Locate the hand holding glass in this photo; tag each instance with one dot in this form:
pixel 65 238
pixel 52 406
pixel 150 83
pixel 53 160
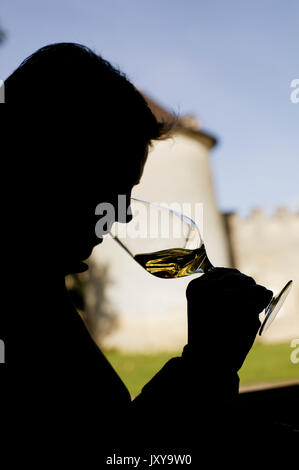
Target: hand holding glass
pixel 169 245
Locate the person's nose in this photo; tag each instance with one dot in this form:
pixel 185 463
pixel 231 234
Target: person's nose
pixel 125 217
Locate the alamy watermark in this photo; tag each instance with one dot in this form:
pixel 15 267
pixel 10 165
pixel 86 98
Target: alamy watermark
pixel 150 220
pixel 294 96
pixel 2 352
pixel 294 356
pixel 149 460
pixel 2 92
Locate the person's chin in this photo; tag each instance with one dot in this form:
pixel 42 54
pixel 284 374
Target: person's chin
pixel 77 265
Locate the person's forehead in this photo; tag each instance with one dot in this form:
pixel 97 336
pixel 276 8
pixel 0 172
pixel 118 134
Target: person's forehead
pixel 123 168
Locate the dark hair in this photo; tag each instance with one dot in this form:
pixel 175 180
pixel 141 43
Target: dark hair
pixel 64 74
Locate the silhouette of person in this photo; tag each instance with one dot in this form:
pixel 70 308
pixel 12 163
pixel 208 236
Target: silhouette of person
pixel 78 133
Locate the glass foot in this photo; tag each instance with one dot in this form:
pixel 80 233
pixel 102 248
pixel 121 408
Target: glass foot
pixel 274 306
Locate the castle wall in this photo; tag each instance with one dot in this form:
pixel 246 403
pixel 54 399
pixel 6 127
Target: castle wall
pixel 152 311
pixel 267 248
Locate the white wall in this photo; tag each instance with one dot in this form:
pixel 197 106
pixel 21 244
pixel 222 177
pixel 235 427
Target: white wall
pixel 267 248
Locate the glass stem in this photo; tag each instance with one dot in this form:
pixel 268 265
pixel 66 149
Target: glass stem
pixel 121 244
pixel 208 266
pixel 205 266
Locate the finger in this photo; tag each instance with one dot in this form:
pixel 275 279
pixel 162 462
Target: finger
pixel 218 273
pixel 217 280
pixel 248 298
pixel 258 297
pixel 227 275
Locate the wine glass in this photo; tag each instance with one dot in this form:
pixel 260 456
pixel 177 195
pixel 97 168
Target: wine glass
pixel 168 244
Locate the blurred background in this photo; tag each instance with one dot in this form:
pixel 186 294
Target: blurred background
pixel 226 68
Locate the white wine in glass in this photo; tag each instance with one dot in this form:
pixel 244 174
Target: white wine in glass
pixel 168 244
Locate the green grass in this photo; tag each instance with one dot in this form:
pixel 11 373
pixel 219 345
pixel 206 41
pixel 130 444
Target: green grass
pixel 136 370
pixel 268 363
pixel 264 364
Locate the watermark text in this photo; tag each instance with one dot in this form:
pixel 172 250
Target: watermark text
pixel 141 219
pixel 294 96
pixel 150 460
pixel 2 352
pixel 294 356
pixel 2 92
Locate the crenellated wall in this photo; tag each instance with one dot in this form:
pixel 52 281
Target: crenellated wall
pixel 267 248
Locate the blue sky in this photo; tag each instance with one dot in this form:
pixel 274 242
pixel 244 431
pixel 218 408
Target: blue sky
pixel 229 62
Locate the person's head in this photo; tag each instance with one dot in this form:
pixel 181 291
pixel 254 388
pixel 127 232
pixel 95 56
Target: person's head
pixel 86 137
